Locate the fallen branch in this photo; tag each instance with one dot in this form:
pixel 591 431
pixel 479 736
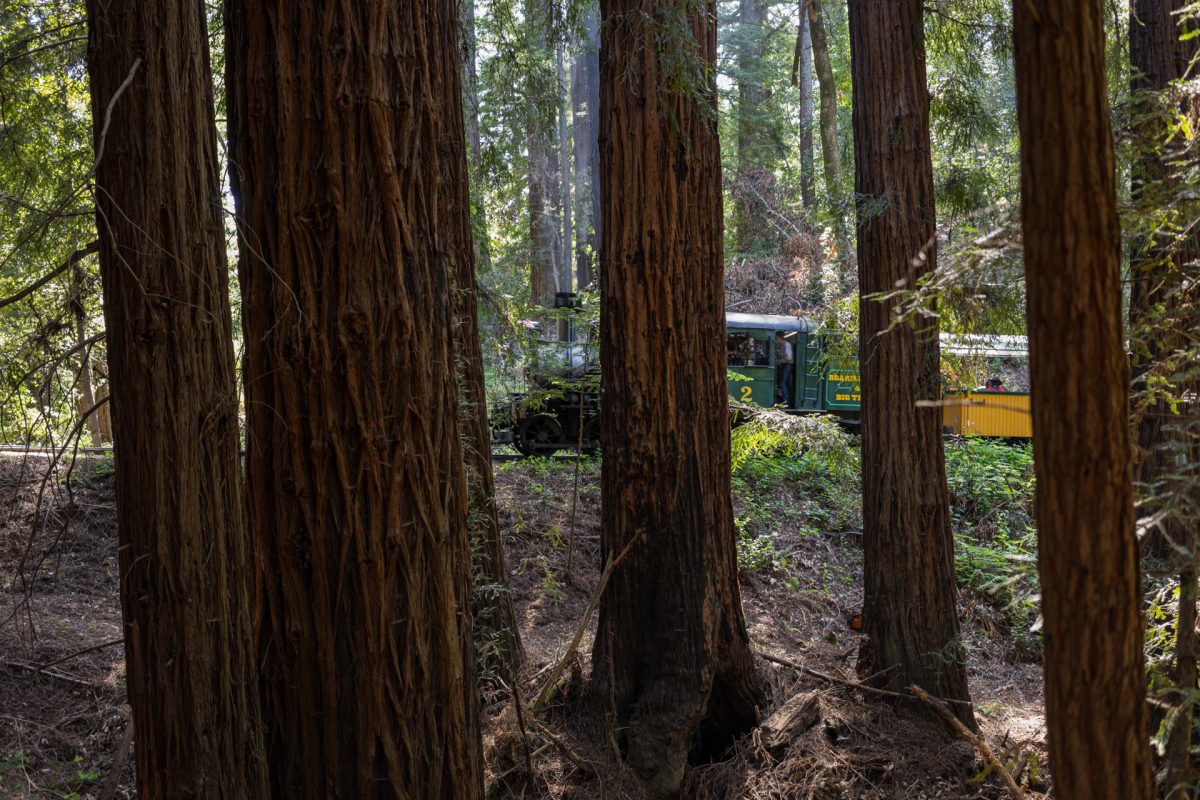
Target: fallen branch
pixel 51 673
pixel 544 695
pixel 564 748
pixel 783 662
pixel 793 718
pixel 851 684
pixel 965 733
pixel 118 764
pixel 82 652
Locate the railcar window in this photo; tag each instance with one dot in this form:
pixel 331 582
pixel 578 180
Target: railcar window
pixel 746 351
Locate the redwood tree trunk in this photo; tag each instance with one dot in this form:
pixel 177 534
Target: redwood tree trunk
pixel 1087 553
pixel 470 91
pixel 497 638
pixel 1158 58
pixel 831 156
pixel 184 556
pixel 357 498
pixel 802 77
pixel 586 110
pixel 909 610
pixel 591 24
pixel 87 393
pixel 544 191
pixel 1178 777
pixel 672 661
pixel 566 264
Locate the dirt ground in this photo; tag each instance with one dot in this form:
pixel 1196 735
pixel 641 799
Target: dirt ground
pixel 62 713
pixel 64 725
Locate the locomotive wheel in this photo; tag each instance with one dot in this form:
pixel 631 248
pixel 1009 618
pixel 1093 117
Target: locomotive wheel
pixel 591 435
pixel 539 435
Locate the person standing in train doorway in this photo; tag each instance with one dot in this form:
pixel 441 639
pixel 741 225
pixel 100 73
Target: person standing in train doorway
pixel 785 368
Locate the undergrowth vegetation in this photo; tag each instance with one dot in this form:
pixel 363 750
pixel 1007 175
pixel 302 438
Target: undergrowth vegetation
pixel 793 477
pixel 995 541
pixel 797 496
pixel 797 477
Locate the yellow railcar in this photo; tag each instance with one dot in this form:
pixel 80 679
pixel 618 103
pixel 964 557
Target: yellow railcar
pixel 987 413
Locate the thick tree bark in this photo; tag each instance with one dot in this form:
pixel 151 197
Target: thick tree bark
pixel 1087 553
pixel 909 612
pixel 184 555
pixel 665 481
pixel 357 497
pixel 497 638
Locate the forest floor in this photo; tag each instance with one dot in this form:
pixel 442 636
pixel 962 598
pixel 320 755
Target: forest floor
pixel 64 730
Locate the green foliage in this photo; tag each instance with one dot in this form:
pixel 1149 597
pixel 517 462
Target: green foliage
pixel 991 487
pixel 790 474
pixel 761 57
pixel 814 442
pixel 991 505
pixel 973 123
pixel 45 214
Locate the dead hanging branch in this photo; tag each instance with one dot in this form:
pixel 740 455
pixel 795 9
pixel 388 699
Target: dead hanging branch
pixel 74 258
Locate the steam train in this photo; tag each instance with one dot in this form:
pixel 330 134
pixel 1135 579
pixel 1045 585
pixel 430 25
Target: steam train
pixel 773 361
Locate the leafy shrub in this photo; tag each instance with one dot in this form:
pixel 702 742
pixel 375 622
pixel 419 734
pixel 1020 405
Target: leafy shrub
pixel 815 439
pixel 792 476
pixel 991 504
pixel 991 487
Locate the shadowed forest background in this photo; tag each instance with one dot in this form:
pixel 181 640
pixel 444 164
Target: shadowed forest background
pixel 366 389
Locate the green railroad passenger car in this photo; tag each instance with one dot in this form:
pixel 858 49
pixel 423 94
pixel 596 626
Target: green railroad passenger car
pixel 757 344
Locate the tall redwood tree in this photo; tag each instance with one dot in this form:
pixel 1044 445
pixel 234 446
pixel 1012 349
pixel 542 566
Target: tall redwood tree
pixel 909 612
pixel 497 638
pixel 356 491
pixel 185 565
pixel 1160 55
pixel 672 662
pixel 1087 552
